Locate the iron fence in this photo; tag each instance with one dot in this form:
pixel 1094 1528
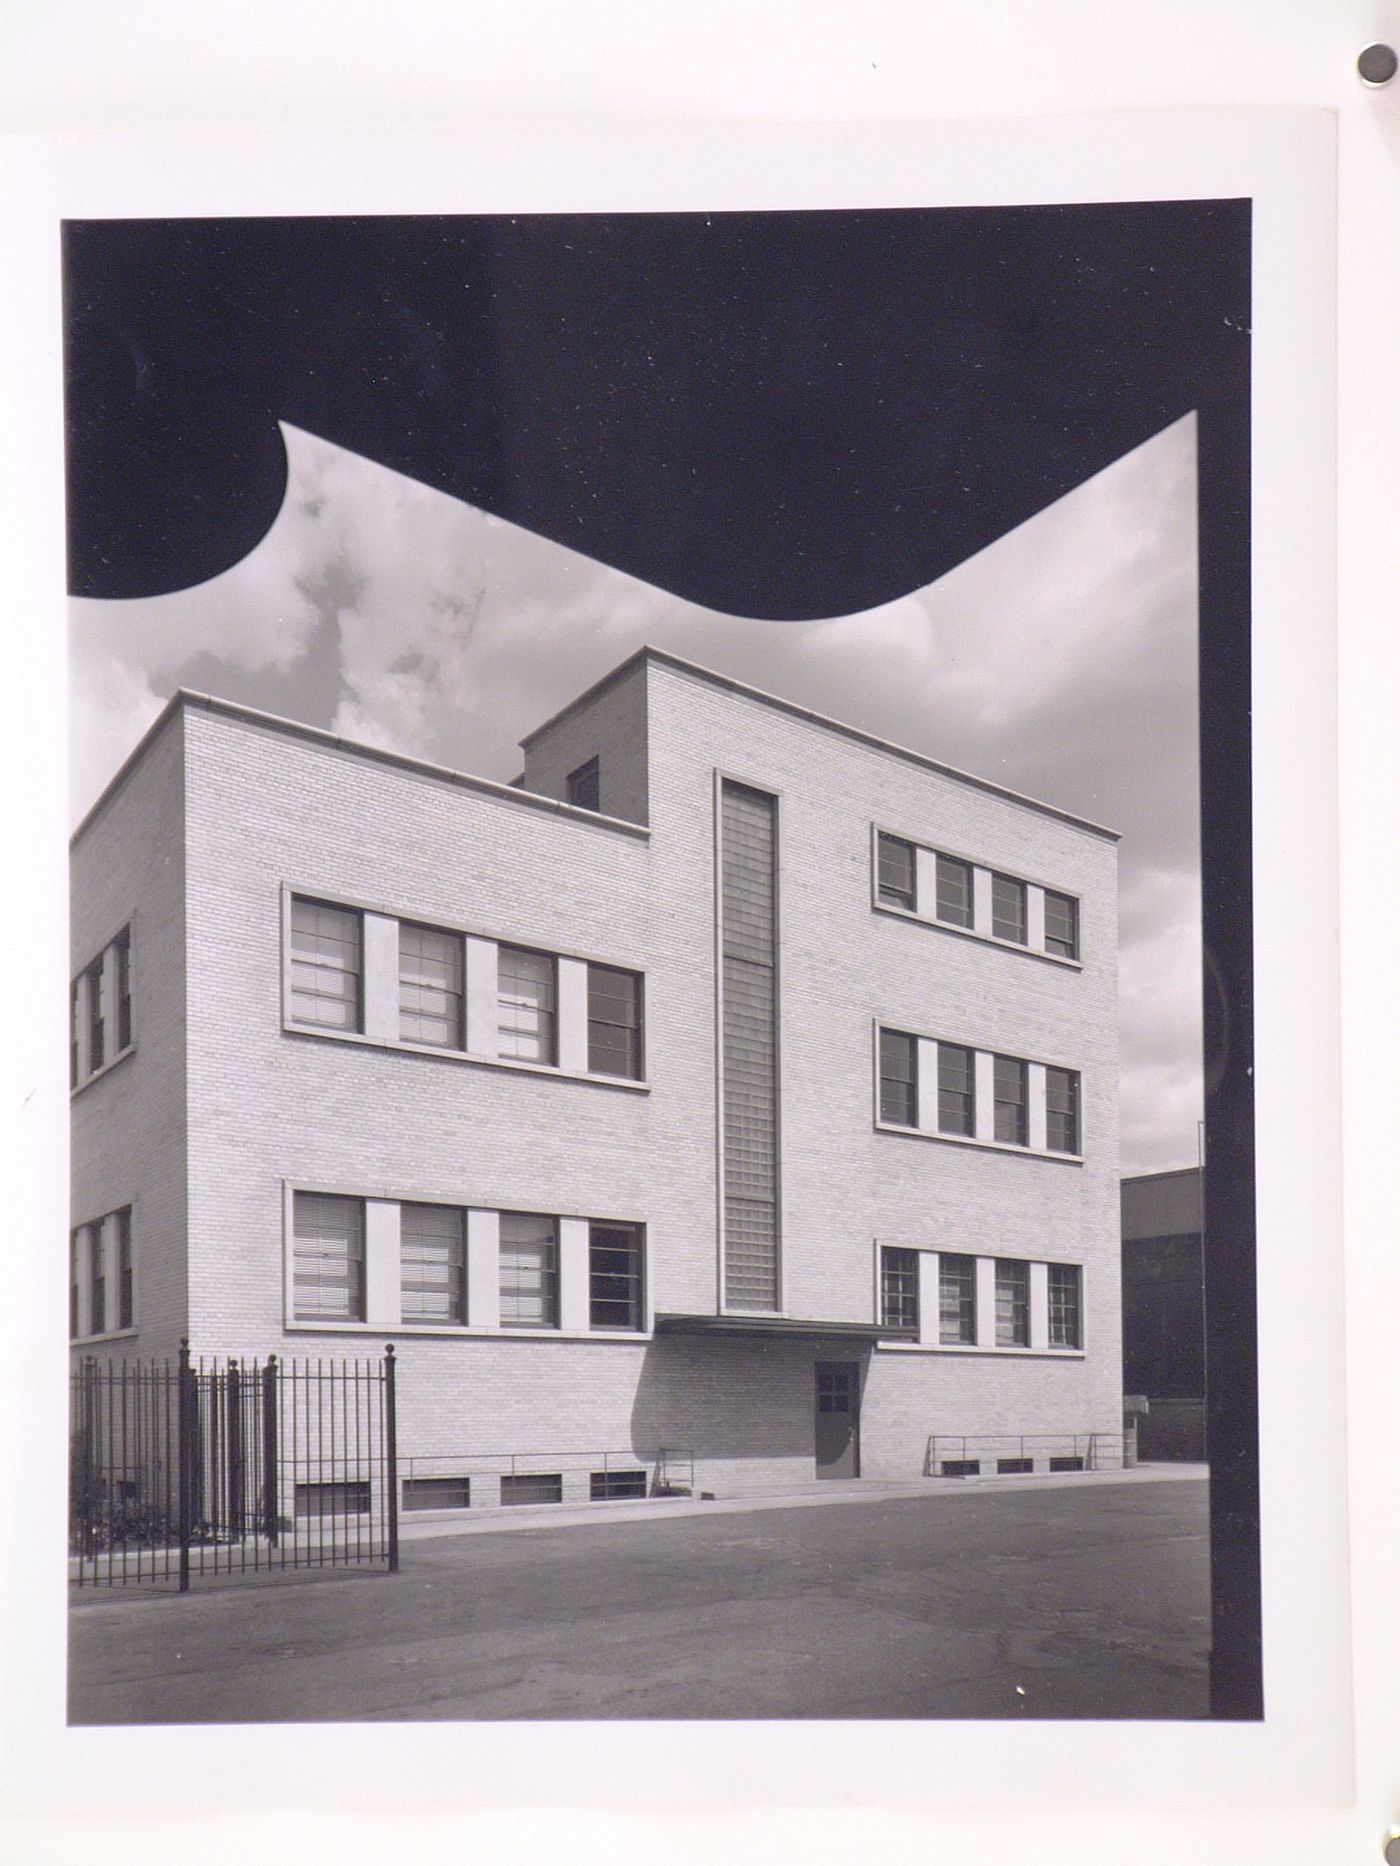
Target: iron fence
pixel 208 1466
pixel 1024 1454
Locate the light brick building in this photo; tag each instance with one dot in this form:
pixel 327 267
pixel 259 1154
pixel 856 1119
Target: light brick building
pixel 735 1087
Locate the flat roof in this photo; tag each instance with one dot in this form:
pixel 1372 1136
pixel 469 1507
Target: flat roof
pixel 662 657
pixel 332 741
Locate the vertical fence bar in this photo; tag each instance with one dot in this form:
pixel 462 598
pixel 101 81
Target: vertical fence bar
pixel 269 1452
pixel 391 1456
pixel 185 1402
pixel 235 1453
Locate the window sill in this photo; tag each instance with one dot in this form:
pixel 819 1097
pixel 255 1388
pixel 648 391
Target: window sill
pixel 408 1331
pixel 978 939
pixel 111 1334
pixel 966 1348
pixel 105 1070
pixel 358 1038
pixel 983 1146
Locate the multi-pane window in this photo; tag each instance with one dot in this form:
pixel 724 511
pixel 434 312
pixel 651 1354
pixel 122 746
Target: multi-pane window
pixel 894 879
pixel 614 1022
pixel 74 1004
pixel 1013 1303
pixel 1061 925
pixel 614 1276
pixel 899 1288
pixel 430 987
pixel 1066 1321
pixel 433 1264
pixel 75 1282
pixel 957 1299
pixel 122 948
pixel 126 1293
pixel 581 786
pixel 1009 909
pixel 526 1000
pixel 1009 1100
pixel 529 1271
pixel 953 891
pixel 97 1021
pixel 899 1097
pixel 328 1258
pixel 957 1096
pixel 326 965
pixel 97 1282
pixel 1062 1110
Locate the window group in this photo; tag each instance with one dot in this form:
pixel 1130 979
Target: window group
pixel 354 972
pixel 955 1092
pixel 99 1008
pixel 953 1299
pixel 949 891
pixel 398 1263
pixel 101 1277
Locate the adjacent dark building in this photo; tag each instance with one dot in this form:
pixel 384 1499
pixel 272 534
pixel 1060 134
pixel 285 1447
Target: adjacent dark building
pixel 1164 1352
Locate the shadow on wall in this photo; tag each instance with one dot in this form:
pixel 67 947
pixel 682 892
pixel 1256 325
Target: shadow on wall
pixel 733 1399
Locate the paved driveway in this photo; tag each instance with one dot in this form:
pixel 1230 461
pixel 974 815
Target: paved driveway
pixel 1087 1601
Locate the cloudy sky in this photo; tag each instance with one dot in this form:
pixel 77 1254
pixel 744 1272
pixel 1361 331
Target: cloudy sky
pixel 1061 661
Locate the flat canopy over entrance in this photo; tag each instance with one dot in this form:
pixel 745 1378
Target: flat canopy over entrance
pixel 775 1325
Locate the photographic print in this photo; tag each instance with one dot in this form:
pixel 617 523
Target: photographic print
pixel 661 1014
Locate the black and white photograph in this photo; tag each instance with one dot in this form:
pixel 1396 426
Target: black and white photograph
pixel 637 970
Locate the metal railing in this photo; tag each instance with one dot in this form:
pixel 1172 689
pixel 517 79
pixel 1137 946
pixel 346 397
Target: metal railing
pixel 207 1467
pixel 1033 1452
pixel 469 1479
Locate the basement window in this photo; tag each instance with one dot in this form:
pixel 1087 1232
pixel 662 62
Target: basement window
pixel 533 1488
pixel 437 1493
pixel 612 1486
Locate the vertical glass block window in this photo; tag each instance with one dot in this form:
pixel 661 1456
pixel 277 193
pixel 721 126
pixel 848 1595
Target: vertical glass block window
pixel 97 1282
pixel 122 950
pixel 1066 1320
pixel 1009 909
pixel 1013 1303
pixel 894 879
pixel 581 787
pixel 526 1005
pixel 957 1299
pixel 326 965
pixel 614 1022
pixel 1061 925
pixel 529 1271
pixel 1009 1100
pixel 126 1291
pixel 1062 1110
pixel 899 1288
pixel 74 1030
pixel 75 1279
pixel 957 1093
pixel 328 1258
pixel 433 1264
pixel 953 888
pixel 899 1089
pixel 614 1276
pixel 97 1022
pixel 430 987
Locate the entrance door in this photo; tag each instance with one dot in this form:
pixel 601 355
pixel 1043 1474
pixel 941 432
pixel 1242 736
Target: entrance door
pixel 838 1419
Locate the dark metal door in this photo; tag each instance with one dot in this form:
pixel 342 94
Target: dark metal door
pixel 838 1419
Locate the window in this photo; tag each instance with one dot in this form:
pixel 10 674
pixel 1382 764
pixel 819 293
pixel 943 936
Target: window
pixel 899 1288
pixel 325 966
pixel 1013 1304
pixel 1009 909
pixel 610 1486
pixel 430 987
pixel 437 1493
pixel 614 1022
pixel 526 1005
pixel 97 1022
pixel 328 1258
pixel 1062 1110
pixel 74 1004
pixel 1061 925
pixel 960 1467
pixel 529 1271
pixel 1066 1330
pixel 337 1499
pixel 1015 1467
pixel 581 786
pixel 614 1276
pixel 433 1264
pixel 1067 1464
pixel 122 948
pixel 1009 1100
pixel 75 1283
pixel 126 1292
pixel 953 891
pixel 957 1095
pixel 894 877
pixel 957 1299
pixel 533 1487
pixel 899 1100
